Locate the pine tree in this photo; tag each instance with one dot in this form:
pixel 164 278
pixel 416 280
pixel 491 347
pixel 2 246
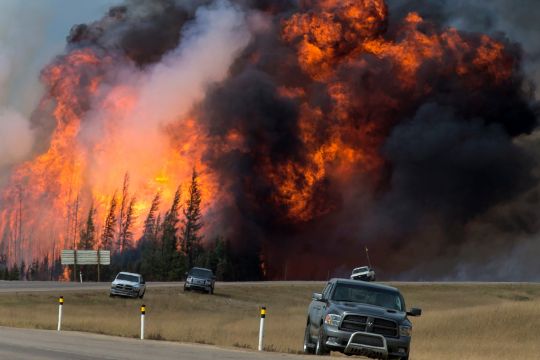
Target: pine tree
pixel 14 273
pixel 123 211
pixel 150 222
pixel 126 236
pixel 88 233
pixel 150 248
pixel 33 270
pixel 22 272
pixel 107 237
pixel 170 257
pixel 191 224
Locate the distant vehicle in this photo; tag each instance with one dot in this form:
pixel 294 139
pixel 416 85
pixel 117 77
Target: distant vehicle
pixel 364 273
pixel 359 318
pixel 128 284
pixel 200 279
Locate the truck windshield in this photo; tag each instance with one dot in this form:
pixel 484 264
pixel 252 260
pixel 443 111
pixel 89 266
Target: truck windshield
pixel 367 295
pixel 200 273
pixel 359 270
pixel 127 277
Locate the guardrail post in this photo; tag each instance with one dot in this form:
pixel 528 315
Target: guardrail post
pixel 143 312
pixel 261 328
pixel 60 305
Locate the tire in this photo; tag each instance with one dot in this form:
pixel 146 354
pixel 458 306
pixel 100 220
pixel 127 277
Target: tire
pixel 211 291
pixel 142 295
pixel 186 289
pixel 111 295
pixel 320 347
pixel 309 347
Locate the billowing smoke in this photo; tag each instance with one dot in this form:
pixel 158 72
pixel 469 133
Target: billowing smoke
pixel 318 127
pixel 16 136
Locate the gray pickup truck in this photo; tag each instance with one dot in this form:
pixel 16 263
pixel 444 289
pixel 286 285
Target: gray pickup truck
pixel 359 318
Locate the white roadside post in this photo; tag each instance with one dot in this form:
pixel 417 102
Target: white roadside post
pixel 261 328
pixel 80 276
pixel 143 312
pixel 60 305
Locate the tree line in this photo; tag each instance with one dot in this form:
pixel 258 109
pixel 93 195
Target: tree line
pixel 171 243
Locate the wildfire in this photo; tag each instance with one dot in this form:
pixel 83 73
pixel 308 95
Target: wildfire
pixel 357 82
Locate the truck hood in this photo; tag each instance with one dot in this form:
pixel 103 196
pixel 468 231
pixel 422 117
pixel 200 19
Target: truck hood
pixel 368 310
pixel 125 282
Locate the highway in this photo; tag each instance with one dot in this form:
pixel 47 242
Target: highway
pixel 25 344
pixel 46 286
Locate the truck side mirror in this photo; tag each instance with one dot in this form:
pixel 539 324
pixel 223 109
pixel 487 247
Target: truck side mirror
pixel 414 312
pixel 317 296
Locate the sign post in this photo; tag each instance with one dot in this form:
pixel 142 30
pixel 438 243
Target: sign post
pixel 86 257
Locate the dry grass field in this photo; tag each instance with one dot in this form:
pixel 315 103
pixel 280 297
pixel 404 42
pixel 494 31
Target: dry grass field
pixel 460 321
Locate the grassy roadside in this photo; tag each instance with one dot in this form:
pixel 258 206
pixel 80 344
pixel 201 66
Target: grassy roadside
pixel 459 322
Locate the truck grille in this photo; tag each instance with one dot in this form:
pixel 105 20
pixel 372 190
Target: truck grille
pixel 354 323
pixel 124 287
pixel 382 327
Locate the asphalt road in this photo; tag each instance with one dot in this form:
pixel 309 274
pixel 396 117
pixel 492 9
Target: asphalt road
pixel 25 344
pixel 44 286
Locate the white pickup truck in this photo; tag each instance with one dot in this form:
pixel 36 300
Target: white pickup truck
pixel 364 273
pixel 128 284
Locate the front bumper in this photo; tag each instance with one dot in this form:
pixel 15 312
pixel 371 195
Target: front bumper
pixel 339 340
pixel 197 286
pixel 124 292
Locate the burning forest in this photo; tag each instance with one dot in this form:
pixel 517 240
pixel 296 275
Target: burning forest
pixel 310 130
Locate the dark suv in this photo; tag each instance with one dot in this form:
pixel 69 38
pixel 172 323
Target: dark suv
pixel 359 318
pixel 200 279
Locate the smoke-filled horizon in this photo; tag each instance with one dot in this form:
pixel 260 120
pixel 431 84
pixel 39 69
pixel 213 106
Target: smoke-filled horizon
pixel 318 127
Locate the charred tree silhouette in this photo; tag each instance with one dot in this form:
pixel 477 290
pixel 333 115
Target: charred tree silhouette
pixel 126 236
pixel 87 239
pixel 123 212
pixel 150 247
pixel 191 224
pixel 107 237
pixel 172 262
pixel 150 223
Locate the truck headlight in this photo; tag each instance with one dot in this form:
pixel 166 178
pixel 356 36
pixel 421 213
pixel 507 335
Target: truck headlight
pixel 189 278
pixel 405 331
pixel 332 319
pixel 207 282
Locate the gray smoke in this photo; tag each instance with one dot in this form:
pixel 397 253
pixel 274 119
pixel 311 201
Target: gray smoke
pixel 499 244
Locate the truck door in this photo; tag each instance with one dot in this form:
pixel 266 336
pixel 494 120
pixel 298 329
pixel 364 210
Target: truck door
pixel 319 308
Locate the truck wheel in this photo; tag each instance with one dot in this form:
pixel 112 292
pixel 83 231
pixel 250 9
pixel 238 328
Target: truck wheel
pixel 142 295
pixel 320 348
pixel 309 347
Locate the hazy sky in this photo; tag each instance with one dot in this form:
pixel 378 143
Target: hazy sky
pixel 32 32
